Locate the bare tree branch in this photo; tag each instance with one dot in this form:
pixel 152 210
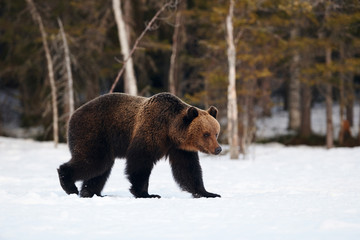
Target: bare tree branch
pixel 147 28
pixel 68 69
pixel 37 18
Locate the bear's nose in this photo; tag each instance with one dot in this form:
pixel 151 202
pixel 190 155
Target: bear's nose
pixel 218 150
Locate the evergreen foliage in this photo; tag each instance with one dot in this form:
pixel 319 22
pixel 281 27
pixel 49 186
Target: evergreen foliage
pixel 263 42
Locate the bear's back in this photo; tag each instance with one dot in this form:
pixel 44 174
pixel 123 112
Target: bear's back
pixel 108 119
pixel 112 121
pixel 106 108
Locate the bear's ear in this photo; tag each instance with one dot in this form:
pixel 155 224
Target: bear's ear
pixel 213 111
pixel 191 114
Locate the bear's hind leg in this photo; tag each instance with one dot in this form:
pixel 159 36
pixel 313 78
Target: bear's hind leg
pixel 95 185
pixel 67 181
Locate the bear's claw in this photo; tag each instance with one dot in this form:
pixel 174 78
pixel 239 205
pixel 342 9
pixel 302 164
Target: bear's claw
pixel 148 196
pixel 143 194
pixel 206 194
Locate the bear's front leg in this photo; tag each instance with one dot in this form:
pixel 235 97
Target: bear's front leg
pixel 187 173
pixel 140 183
pixel 138 169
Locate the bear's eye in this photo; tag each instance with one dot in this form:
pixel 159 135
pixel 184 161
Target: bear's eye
pixel 206 135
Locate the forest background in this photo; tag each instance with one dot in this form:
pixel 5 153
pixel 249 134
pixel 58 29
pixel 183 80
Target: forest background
pixel 289 53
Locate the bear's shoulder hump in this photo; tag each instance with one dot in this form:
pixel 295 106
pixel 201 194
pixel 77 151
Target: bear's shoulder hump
pixel 167 100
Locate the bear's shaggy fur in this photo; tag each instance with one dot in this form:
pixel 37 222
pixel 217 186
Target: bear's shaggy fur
pixel 142 130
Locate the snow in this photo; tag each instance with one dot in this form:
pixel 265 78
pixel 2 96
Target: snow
pixel 278 193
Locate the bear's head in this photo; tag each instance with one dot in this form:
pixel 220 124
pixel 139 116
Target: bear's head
pixel 201 131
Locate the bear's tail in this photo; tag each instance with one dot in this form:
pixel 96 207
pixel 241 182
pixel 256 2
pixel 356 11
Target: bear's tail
pixel 66 179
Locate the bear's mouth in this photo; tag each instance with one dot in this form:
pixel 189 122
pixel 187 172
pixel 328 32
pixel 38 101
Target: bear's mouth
pixel 217 151
pixel 203 150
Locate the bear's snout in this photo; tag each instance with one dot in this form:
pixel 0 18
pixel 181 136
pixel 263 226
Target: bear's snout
pixel 218 150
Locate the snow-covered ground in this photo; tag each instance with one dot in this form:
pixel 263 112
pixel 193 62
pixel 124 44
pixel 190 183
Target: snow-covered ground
pixel 279 193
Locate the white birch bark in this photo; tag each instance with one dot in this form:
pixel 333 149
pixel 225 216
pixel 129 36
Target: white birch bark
pixel 147 28
pixel 172 72
pixel 130 80
pixel 37 18
pixel 70 89
pixel 232 111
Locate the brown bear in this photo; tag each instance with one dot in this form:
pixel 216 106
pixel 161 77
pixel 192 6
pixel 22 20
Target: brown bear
pixel 142 130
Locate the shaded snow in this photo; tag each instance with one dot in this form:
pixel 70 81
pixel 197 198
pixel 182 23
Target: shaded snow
pixel 281 193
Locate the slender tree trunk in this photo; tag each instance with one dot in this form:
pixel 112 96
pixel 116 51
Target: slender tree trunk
pixel 1 124
pixel 244 123
pixel 266 99
pixel 70 89
pixel 232 99
pixel 251 128
pixel 37 18
pixel 128 18
pixel 294 86
pixel 342 101
pixel 349 91
pixel 349 98
pixel 247 115
pixel 350 105
pixel 130 80
pixel 329 103
pixel 173 59
pixel 329 122
pixel 359 129
pixel 305 129
pixel 137 41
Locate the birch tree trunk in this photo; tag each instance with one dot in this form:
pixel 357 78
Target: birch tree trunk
pixel 294 86
pixel 244 123
pixel 137 41
pixel 348 84
pixel 127 9
pixel 266 99
pixel 305 127
pixel 173 62
pixel 130 86
pixel 329 103
pixel 359 129
pixel 349 90
pixel 232 111
pixel 248 120
pixel 342 96
pixel 70 89
pixel 37 18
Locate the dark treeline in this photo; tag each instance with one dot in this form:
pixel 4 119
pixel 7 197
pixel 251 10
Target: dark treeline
pixel 302 51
